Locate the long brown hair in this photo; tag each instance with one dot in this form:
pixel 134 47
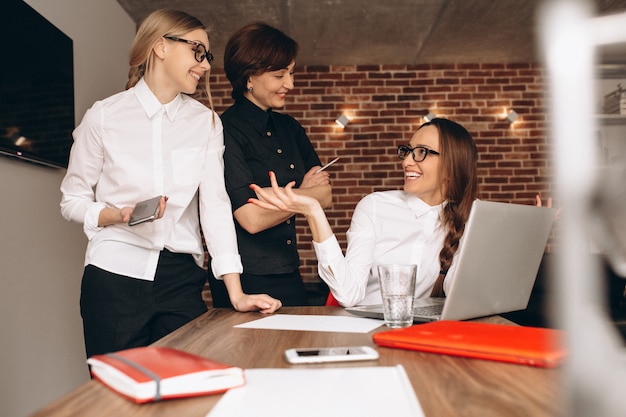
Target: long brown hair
pixel 156 25
pixel 458 169
pixel 253 50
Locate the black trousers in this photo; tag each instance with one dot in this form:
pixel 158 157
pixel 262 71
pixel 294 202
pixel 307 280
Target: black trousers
pixel 120 312
pixel 288 288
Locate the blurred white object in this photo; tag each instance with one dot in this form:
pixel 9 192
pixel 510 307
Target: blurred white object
pixel 594 377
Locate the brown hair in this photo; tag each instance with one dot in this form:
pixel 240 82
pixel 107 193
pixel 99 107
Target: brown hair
pixel 253 50
pixel 458 169
pixel 156 25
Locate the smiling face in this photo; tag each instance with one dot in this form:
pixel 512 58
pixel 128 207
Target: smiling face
pixel 182 71
pixel 423 179
pixel 270 88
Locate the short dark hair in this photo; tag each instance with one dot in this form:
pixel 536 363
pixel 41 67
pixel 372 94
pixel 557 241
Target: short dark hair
pixel 253 50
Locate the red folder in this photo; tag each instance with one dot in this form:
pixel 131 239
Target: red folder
pixel 524 345
pixel 147 374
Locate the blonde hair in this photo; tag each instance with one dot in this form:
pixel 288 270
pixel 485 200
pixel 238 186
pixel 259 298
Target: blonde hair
pixel 156 25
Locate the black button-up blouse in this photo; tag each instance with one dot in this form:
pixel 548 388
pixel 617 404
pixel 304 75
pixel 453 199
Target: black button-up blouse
pixel 257 142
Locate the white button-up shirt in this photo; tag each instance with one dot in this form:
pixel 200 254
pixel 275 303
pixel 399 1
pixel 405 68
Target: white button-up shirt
pixel 128 148
pixel 390 227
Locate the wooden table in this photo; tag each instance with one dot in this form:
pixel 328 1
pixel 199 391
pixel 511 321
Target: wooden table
pixel 444 385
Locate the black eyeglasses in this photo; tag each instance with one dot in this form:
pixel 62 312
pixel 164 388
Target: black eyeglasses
pixel 422 152
pixel 200 50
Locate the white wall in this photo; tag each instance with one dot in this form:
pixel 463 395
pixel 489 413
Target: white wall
pixel 42 356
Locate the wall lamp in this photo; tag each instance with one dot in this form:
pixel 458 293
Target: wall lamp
pixel 342 120
pixel 430 116
pixel 512 116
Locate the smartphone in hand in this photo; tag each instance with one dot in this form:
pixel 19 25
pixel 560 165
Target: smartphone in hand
pixel 145 211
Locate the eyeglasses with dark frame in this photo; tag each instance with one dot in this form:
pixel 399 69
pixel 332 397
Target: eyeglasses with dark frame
pixel 422 152
pixel 199 50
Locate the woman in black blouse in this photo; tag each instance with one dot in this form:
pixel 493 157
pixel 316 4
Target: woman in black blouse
pixel 259 62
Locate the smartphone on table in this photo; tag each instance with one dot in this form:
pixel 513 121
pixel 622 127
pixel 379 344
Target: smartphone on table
pixel 330 354
pixel 145 211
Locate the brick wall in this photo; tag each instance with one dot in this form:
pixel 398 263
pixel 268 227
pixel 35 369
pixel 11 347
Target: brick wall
pixel 386 103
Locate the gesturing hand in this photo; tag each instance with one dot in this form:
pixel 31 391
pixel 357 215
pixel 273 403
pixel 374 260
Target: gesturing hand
pixel 282 199
pixel 539 203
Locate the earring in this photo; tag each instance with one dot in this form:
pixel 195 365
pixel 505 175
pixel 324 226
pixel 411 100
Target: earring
pixel 249 89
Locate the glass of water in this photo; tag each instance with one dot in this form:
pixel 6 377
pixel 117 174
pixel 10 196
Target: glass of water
pixel 397 286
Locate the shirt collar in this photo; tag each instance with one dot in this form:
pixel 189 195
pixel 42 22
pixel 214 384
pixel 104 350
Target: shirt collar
pixel 151 104
pixel 420 208
pixel 257 117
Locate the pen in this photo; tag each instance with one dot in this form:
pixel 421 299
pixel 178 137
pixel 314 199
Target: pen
pixel 327 165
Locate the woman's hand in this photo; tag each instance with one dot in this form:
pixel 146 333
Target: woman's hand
pixel 283 199
pixel 286 200
pixel 539 203
pixel 162 206
pixel 313 178
pixel 256 302
pixel 248 302
pixel 111 215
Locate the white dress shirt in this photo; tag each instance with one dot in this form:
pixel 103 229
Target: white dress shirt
pixel 128 148
pixel 387 227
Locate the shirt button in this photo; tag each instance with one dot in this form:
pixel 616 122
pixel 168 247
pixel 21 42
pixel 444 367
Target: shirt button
pixel 292 166
pixel 268 133
pixel 289 241
pixel 279 151
pixel 288 221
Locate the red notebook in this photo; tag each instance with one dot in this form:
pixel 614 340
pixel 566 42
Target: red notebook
pixel 147 374
pixel 525 345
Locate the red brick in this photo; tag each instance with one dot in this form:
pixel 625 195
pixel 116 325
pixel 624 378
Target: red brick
pixel 387 103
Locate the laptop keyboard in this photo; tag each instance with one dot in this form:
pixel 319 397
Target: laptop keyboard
pixel 430 310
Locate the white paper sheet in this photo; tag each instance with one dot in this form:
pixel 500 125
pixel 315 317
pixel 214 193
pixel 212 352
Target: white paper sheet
pixel 324 392
pixel 313 323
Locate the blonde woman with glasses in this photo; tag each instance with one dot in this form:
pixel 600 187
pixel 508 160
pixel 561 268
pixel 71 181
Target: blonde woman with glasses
pixel 143 281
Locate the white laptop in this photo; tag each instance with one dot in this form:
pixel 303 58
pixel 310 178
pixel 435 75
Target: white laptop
pixel 496 265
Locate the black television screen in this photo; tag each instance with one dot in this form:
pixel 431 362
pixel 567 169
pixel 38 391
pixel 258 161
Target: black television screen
pixel 36 87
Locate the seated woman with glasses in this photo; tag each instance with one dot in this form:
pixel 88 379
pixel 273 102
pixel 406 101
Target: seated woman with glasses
pixel 421 224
